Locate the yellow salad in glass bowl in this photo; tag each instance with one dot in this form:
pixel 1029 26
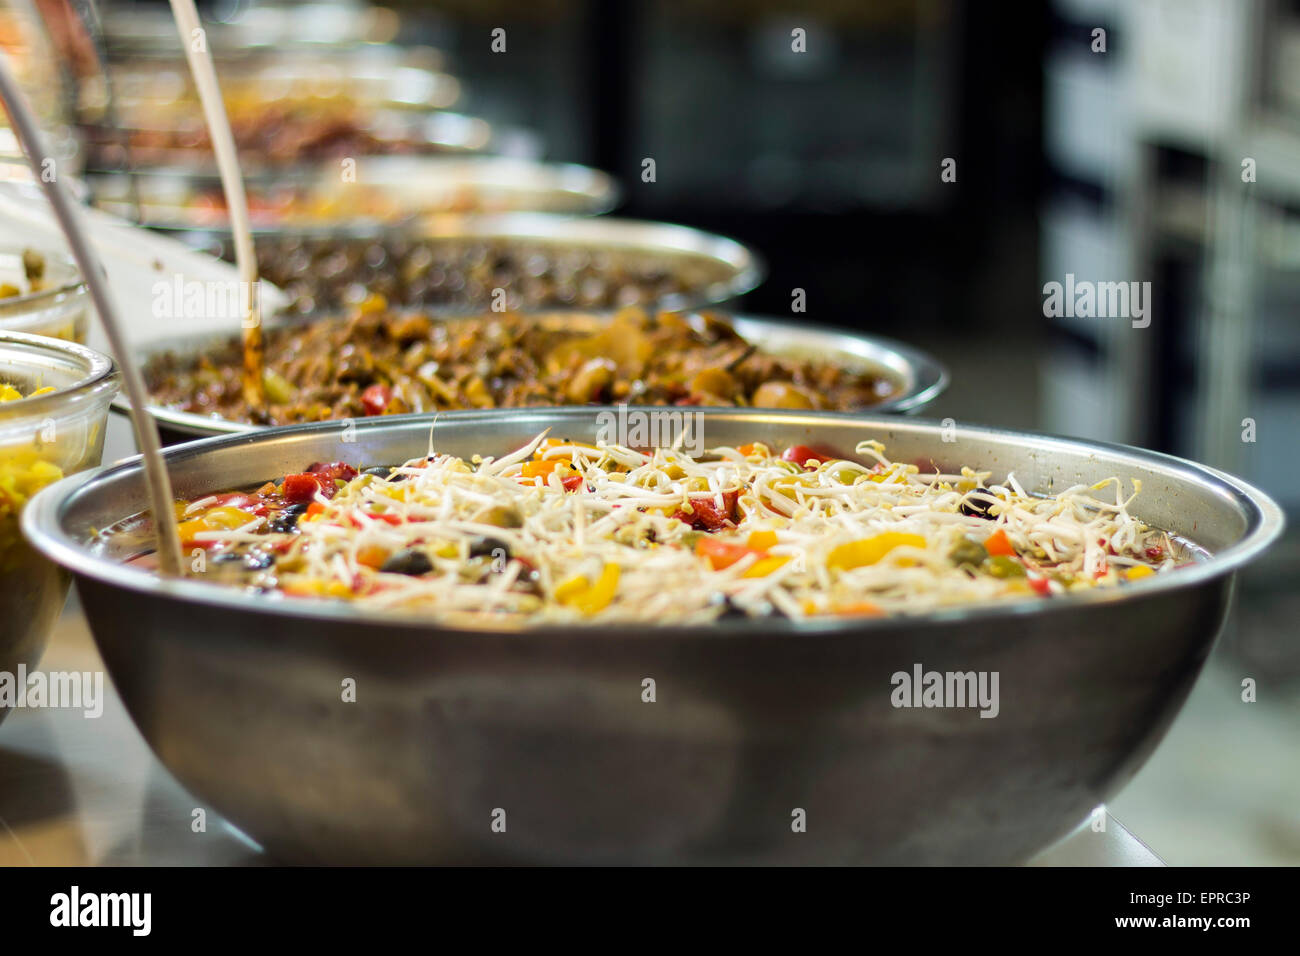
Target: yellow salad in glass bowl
pixel 41 292
pixel 54 398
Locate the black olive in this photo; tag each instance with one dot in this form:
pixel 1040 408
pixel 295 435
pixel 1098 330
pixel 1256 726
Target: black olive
pixel 381 471
pixel 976 507
pixel 287 519
pixel 485 547
pixel 407 561
pixel 257 561
pixel 529 581
pixel 226 557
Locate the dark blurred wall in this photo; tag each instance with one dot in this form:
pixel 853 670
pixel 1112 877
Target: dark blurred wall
pixel 828 161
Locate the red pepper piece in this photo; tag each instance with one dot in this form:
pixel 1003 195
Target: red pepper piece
pixel 298 489
pixel 243 502
pixel 375 399
pixel 333 470
pixel 706 515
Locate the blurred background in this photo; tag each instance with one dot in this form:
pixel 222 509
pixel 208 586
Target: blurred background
pixel 1150 141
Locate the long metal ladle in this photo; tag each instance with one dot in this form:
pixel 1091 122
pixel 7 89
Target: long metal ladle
pixel 194 40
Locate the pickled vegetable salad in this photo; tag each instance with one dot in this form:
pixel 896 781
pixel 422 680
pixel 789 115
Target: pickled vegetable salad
pixel 565 531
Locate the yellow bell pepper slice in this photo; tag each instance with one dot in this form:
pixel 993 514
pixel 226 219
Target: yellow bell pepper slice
pixel 765 566
pixel 587 596
pixel 857 554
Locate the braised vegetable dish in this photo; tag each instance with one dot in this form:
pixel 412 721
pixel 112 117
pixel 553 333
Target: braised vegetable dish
pixel 382 362
pixel 329 272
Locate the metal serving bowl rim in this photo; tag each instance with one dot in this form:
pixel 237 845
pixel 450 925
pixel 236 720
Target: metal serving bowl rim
pixel 616 234
pixel 605 233
pixel 600 189
pixel 41 523
pixel 931 377
pixel 101 375
pixel 435 131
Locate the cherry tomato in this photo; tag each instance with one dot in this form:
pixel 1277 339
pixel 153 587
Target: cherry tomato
pixel 800 455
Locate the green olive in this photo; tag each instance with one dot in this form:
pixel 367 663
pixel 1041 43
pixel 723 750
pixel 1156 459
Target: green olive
pixel 278 390
pixel 968 552
pixel 1002 566
pixel 503 516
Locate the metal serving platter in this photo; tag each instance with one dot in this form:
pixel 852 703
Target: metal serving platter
pixel 433 133
pixel 418 185
pixel 707 270
pixel 613 237
pixel 133 33
pixel 607 233
pixel 921 377
pixel 754 719
pixel 364 77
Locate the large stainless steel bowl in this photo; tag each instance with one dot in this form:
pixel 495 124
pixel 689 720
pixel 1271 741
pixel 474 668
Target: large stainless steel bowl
pixel 453 264
pixel 546 729
pixel 920 378
pixel 734 268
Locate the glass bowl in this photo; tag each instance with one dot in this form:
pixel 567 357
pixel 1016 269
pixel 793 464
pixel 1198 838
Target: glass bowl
pixel 60 309
pixel 42 438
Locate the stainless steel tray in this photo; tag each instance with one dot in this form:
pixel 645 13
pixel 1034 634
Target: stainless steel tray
pixel 443 186
pixel 239 695
pixel 921 377
pixel 440 132
pixel 263 30
pixel 713 269
pixel 363 76
pixel 612 236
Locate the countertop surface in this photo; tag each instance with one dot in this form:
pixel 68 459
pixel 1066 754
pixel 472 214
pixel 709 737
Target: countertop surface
pixel 87 791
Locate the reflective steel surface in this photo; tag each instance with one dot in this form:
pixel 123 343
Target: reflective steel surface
pixel 756 726
pixel 78 791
